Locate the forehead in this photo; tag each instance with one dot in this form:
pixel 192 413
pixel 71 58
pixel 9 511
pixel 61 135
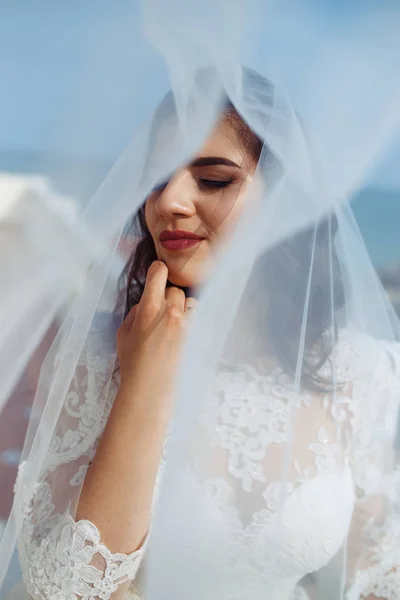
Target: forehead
pixel 225 141
pixel 170 143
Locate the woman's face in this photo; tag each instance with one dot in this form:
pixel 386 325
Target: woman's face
pixel 194 213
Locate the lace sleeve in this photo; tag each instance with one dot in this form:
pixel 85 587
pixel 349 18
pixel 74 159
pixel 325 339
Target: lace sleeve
pixel 61 558
pixel 374 548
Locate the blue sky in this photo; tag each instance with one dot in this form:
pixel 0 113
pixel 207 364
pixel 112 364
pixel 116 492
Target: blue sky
pixel 48 52
pixel 72 79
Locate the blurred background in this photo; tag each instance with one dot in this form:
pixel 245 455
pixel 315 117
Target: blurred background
pixel 69 103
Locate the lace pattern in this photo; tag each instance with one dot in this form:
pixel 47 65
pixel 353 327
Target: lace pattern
pixel 67 559
pixel 251 414
pixel 249 423
pixel 60 558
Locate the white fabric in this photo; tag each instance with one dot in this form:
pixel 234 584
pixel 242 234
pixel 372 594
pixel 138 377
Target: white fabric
pixel 248 418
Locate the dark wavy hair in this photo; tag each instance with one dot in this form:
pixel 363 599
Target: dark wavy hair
pixel 282 270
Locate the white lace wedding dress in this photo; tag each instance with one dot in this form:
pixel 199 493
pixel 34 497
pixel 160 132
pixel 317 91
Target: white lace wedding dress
pixel 335 471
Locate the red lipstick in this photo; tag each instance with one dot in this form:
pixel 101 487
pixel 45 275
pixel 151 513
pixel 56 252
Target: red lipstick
pixel 179 240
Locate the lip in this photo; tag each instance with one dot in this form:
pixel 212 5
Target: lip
pixel 178 239
pixel 179 234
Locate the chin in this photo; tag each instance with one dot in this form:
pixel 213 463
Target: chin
pixel 184 272
pixel 190 276
pixel 182 280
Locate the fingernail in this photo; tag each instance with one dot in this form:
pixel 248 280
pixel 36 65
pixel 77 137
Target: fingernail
pixel 159 264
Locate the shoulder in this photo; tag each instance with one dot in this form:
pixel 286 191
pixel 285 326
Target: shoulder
pixel 360 358
pixel 371 369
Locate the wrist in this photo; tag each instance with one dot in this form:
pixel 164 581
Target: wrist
pixel 144 402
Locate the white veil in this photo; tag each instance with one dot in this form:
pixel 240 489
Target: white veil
pixel 293 325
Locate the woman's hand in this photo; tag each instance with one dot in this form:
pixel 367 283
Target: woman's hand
pixel 118 490
pixel 150 339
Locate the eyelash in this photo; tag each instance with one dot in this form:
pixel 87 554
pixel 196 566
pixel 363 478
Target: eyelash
pixel 208 184
pixel 213 184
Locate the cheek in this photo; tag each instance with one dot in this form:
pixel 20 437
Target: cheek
pixel 236 210
pixel 227 213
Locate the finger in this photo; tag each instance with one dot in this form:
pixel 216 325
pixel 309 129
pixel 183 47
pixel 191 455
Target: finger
pixel 175 297
pixel 153 296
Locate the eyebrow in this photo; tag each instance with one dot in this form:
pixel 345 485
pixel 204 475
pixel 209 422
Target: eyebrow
pixel 209 161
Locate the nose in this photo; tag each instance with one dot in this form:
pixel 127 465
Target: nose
pixel 177 198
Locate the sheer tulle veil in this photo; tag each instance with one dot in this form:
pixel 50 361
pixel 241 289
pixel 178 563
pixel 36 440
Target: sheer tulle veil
pixel 292 323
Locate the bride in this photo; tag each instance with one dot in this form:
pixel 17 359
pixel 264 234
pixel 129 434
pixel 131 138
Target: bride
pixel 290 469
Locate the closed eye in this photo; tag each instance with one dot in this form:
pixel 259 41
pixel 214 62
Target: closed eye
pixel 211 184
